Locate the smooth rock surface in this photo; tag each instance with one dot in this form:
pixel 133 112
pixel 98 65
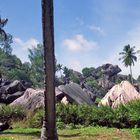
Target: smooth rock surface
pixel 120 94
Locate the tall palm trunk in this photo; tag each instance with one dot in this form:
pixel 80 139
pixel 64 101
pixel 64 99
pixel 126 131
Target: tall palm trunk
pixel 49 127
pixel 131 76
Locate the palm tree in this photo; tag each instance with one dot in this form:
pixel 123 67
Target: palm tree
pixel 49 123
pixel 59 68
pixel 3 22
pixel 128 57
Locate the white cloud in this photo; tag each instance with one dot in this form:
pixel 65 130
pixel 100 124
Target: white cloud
pixel 79 43
pixel 31 43
pixel 97 29
pixel 87 60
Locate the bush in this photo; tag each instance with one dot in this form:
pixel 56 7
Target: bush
pixel 35 119
pixel 125 116
pixel 11 113
pixel 134 113
pixel 60 125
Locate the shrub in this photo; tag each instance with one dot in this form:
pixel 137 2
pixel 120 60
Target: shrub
pixel 35 119
pixel 134 112
pixel 11 113
pixel 125 116
pixel 60 125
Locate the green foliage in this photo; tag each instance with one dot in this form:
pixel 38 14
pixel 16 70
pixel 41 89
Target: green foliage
pixel 66 72
pixel 37 72
pixel 134 111
pixel 60 125
pixel 11 67
pixel 124 116
pixel 35 120
pixel 87 71
pixel 93 83
pixel 11 113
pixel 6 44
pixel 128 57
pixel 74 78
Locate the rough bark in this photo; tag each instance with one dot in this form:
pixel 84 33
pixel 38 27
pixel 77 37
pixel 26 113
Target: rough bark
pixel 49 125
pixel 131 76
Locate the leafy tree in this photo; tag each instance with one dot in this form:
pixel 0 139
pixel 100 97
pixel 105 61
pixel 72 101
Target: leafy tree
pixel 128 57
pixel 66 72
pixel 36 71
pixel 59 67
pixel 5 38
pixel 6 44
pixel 87 71
pixel 3 34
pixel 11 67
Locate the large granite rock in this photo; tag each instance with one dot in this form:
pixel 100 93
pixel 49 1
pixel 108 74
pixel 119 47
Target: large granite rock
pixel 9 91
pixel 102 79
pixel 106 69
pixel 120 94
pixel 74 92
pixel 31 99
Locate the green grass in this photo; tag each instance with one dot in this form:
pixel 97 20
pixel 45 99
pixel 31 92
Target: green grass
pixel 85 133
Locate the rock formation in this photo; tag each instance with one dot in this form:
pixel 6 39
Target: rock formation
pixel 120 94
pixel 31 99
pixel 69 93
pixel 9 91
pixel 74 92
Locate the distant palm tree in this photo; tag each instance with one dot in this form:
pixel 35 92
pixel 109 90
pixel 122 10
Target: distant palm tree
pixel 128 57
pixel 49 124
pixel 3 22
pixel 60 68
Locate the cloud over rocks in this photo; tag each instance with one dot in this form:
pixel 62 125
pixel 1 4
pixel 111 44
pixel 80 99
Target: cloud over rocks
pixel 29 44
pixel 79 43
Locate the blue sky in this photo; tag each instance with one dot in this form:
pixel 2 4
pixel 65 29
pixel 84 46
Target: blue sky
pixel 87 32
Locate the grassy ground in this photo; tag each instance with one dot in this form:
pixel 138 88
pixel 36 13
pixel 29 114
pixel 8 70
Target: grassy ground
pixel 88 133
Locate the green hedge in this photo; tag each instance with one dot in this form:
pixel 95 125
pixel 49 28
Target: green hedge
pixel 125 116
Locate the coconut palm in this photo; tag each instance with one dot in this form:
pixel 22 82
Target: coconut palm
pixel 49 125
pixel 128 57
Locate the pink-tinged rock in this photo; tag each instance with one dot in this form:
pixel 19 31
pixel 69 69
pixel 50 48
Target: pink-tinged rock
pixel 120 94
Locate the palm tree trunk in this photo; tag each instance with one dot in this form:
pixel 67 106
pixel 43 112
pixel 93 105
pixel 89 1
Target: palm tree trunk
pixel 131 74
pixel 49 124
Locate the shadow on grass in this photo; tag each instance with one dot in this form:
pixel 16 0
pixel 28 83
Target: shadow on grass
pixel 69 135
pixel 37 134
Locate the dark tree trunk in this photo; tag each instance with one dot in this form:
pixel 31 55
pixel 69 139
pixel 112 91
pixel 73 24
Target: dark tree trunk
pixel 49 124
pixel 131 75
